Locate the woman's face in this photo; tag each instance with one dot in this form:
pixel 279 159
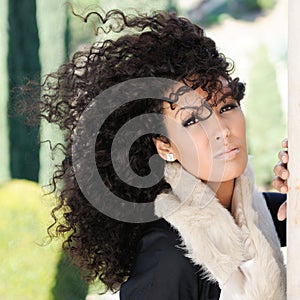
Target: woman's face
pixel 213 149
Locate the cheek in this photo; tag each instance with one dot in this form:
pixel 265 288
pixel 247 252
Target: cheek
pixel 240 128
pixel 193 151
pixel 187 143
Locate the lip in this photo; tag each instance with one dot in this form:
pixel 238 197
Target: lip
pixel 228 154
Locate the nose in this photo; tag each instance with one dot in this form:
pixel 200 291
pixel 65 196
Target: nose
pixel 222 130
pixel 216 128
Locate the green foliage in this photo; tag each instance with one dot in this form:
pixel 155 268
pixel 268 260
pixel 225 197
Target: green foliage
pixel 23 63
pixel 69 284
pixel 265 118
pixel 27 267
pixel 214 13
pixel 258 4
pixel 4 149
pixel 266 4
pixel 252 5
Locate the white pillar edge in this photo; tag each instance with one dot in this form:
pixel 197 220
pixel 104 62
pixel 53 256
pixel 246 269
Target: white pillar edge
pixel 293 208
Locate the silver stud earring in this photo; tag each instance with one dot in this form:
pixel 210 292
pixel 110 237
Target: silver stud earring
pixel 170 157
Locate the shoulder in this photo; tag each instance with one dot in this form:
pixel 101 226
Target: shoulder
pixel 161 270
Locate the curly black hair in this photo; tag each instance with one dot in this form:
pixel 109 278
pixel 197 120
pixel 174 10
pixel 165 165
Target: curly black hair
pixel 161 45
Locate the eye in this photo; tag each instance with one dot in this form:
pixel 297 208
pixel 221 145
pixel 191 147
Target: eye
pixel 197 114
pixel 191 121
pixel 228 107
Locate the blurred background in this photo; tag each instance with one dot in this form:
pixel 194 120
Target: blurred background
pixel 36 36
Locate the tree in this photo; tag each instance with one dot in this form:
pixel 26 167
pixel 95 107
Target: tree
pixel 4 151
pixel 23 63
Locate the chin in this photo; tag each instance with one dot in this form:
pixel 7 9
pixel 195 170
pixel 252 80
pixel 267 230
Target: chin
pixel 235 170
pixel 228 170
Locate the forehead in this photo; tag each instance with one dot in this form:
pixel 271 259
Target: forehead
pixel 195 98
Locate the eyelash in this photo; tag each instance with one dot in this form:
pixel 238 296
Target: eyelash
pixel 191 121
pixel 194 119
pixel 228 107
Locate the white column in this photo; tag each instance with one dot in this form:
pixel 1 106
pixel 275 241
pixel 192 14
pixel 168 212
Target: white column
pixel 51 17
pixel 293 209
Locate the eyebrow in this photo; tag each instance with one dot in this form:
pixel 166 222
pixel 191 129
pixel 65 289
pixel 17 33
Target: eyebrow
pixel 224 98
pixel 185 107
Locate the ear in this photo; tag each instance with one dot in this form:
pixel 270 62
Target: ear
pixel 163 148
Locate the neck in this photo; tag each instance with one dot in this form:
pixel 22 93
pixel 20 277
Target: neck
pixel 224 191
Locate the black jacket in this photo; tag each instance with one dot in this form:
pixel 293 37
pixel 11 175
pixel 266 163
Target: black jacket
pixel 162 272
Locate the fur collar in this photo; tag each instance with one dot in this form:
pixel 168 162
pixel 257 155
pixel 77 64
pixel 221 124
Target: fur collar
pixel 239 250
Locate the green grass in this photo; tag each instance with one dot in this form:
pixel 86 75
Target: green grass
pixel 28 268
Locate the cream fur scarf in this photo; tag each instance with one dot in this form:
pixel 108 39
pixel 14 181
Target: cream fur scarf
pixel 239 250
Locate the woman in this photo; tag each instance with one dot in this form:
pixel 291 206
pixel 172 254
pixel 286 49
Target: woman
pixel 211 235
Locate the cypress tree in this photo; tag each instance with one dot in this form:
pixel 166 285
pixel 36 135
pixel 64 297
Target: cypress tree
pixel 4 149
pixel 23 64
